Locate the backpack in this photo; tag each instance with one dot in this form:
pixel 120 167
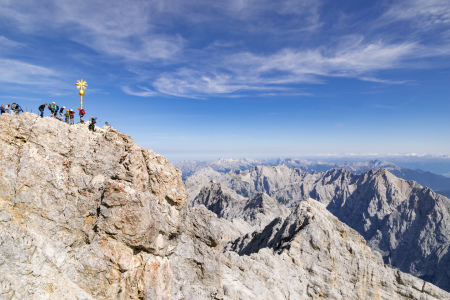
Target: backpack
pixel 82 112
pixel 56 108
pixel 94 120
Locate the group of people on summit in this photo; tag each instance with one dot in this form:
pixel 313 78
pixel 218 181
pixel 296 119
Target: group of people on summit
pixel 69 114
pixel 11 109
pixel 55 110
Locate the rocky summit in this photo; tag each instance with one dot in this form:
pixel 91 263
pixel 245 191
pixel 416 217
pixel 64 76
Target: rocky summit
pixel 84 215
pixel 91 215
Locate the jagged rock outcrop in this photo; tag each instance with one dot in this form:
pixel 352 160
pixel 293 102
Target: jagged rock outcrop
pixel 409 225
pixel 189 167
pixel 256 211
pixel 309 255
pixel 84 215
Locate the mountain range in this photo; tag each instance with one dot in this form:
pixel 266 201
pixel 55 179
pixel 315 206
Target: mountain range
pixel 407 224
pixel 91 215
pixel 436 182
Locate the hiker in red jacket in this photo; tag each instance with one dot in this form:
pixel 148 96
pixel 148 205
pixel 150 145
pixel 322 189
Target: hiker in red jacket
pixel 81 113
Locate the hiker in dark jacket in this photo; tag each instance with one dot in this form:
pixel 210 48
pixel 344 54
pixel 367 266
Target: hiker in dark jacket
pixel 42 108
pixel 61 112
pixel 17 109
pixel 92 125
pixel 2 109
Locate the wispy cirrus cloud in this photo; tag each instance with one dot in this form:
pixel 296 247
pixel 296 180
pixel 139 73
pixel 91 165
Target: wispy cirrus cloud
pixel 247 71
pixel 425 14
pixel 199 48
pixel 143 31
pixel 142 92
pixel 115 28
pixel 18 72
pixel 7 44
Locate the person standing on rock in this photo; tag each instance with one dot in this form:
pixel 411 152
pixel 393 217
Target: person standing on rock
pixel 42 108
pixel 8 108
pixel 56 109
pixel 92 125
pixel 72 117
pixel 81 112
pixel 51 108
pixel 2 109
pixel 61 111
pixel 67 115
pixel 13 108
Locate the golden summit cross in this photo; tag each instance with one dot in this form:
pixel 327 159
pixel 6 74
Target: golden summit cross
pixel 81 86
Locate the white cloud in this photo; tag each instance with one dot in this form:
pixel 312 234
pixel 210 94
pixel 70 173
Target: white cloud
pixel 247 71
pixel 192 83
pixel 139 33
pixel 18 72
pixel 115 27
pixel 422 14
pixel 144 92
pixel 6 43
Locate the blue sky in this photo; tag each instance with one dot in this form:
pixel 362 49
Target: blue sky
pixel 240 78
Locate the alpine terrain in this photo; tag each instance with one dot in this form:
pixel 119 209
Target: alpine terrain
pixel 91 215
pixel 406 224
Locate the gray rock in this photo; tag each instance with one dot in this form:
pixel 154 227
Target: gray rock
pixel 256 211
pixel 436 182
pixel 84 215
pixel 88 215
pixel 310 255
pixel 409 225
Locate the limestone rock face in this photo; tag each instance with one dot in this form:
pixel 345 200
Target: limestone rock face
pixel 248 214
pixel 309 255
pixel 84 215
pixel 407 224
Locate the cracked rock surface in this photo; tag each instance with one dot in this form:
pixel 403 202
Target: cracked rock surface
pixel 84 215
pixel 308 255
pixel 405 223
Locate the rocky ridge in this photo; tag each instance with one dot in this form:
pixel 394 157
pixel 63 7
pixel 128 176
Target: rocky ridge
pixel 309 255
pixel 247 214
pixel 94 216
pixel 409 225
